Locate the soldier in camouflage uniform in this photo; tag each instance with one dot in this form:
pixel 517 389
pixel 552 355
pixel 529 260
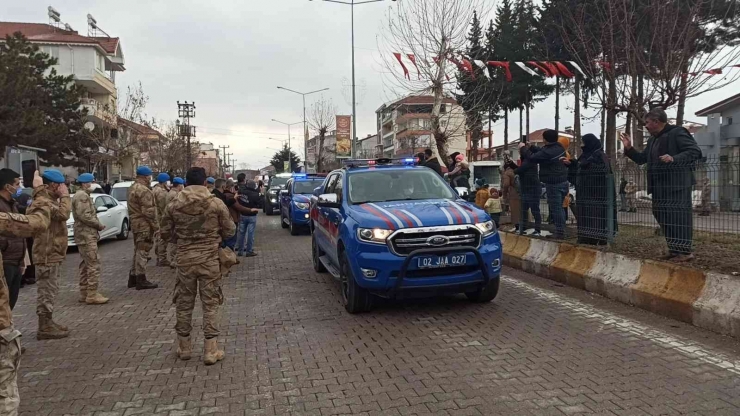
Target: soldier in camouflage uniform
pixel 199 221
pixel 160 198
pixel 143 214
pixel 49 251
pixel 86 231
pixel 177 185
pixel 16 225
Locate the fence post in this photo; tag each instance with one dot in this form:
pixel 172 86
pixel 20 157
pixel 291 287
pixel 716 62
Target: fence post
pixel 610 202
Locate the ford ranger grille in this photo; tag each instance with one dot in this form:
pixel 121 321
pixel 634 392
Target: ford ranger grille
pixel 404 241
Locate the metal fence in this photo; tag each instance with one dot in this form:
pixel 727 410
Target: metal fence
pixel 669 207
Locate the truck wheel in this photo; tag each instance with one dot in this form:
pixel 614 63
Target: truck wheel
pixel 355 298
pixel 293 229
pixel 318 266
pixel 282 220
pixel 485 294
pixel 268 209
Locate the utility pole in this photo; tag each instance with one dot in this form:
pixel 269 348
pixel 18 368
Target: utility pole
pixel 186 111
pixel 305 127
pixel 229 162
pixel 223 160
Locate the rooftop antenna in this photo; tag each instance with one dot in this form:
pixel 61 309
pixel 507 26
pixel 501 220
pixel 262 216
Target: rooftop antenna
pixel 93 28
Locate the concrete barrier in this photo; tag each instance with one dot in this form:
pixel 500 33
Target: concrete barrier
pixel 707 300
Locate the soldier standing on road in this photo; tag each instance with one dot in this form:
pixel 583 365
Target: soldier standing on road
pixel 160 198
pixel 177 185
pixel 86 232
pixel 49 251
pixel 15 225
pixel 199 221
pixel 143 214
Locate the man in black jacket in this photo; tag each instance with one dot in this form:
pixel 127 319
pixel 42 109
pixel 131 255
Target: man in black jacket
pixel 553 173
pixel 529 191
pixel 671 155
pixel 248 197
pixel 432 162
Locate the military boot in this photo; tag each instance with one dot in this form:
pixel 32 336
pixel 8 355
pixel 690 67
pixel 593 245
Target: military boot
pixel 95 298
pixel 47 329
pixel 131 280
pixel 143 284
pixel 57 325
pixel 211 353
pixel 163 263
pixel 83 295
pixel 184 347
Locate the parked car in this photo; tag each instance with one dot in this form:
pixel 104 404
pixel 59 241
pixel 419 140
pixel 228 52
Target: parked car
pixel 272 191
pixel 119 191
pixel 295 200
pixel 111 213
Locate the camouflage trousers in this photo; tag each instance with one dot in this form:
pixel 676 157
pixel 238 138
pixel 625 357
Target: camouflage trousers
pixel 630 201
pixel 89 268
pixel 142 246
pixel 47 287
pixel 172 253
pixel 10 360
pixel 205 279
pixel 160 248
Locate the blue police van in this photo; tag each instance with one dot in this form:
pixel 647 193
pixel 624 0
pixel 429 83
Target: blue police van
pixel 295 201
pixel 389 228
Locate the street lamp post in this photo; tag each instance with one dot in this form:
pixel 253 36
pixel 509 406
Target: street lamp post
pixel 290 159
pixel 352 4
pixel 304 94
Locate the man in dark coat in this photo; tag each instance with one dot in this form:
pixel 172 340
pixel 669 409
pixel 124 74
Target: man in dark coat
pixel 530 189
pixel 553 173
pixel 671 155
pixel 432 162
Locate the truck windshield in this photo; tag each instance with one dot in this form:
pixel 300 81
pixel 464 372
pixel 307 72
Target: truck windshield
pixel 278 181
pixel 306 187
pixel 397 185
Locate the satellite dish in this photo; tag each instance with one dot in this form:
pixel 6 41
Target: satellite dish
pixel 90 126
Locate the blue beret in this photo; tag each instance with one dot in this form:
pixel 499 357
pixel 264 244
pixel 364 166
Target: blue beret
pixel 143 171
pixel 86 178
pixel 53 175
pixel 163 177
pixel 178 181
pixel 210 180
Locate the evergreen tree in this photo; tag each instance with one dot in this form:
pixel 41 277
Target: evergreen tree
pixel 279 159
pixel 38 107
pixel 474 86
pixel 500 46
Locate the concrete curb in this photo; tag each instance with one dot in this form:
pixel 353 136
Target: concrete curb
pixel 707 300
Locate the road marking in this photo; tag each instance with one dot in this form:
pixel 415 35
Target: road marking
pixel 687 347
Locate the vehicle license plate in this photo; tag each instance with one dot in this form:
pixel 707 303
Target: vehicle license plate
pixel 433 262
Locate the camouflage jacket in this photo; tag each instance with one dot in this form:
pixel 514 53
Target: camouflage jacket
pixel 50 245
pixel 198 221
pixel 171 196
pixel 16 225
pixel 630 189
pixel 87 225
pixel 142 209
pixel 160 199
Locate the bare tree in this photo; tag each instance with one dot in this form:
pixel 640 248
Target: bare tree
pixel 432 31
pixel 169 153
pixel 322 119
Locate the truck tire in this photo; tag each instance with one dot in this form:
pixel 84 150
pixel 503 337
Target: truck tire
pixel 318 266
pixel 268 209
pixel 294 230
pixel 486 294
pixel 355 298
pixel 282 220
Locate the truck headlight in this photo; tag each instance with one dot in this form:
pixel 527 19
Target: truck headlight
pixel 374 235
pixel 301 205
pixel 486 228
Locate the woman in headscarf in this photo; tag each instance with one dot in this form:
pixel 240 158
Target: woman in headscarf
pixel 510 193
pixel 593 178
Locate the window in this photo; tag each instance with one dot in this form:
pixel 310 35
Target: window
pixel 330 183
pixel 729 120
pixel 110 202
pixel 338 187
pixel 289 186
pixel 99 202
pixel 403 185
pixel 99 62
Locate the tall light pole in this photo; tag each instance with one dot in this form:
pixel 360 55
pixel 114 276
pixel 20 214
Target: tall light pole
pixel 290 159
pixel 352 4
pixel 305 130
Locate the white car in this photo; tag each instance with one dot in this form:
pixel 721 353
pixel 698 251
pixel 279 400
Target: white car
pixel 111 213
pixel 120 190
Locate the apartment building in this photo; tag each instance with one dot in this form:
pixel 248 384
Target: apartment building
pixel 404 126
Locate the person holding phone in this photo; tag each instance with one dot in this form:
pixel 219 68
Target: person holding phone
pixel 671 154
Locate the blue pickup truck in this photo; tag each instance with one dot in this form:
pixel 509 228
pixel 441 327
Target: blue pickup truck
pixel 295 201
pixel 389 228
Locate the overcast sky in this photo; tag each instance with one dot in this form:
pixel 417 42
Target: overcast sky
pixel 229 56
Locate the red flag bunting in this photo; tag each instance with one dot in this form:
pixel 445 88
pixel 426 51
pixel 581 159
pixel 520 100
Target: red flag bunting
pixel 715 71
pixel 502 64
pixel 405 70
pixel 564 71
pixel 541 68
pixel 412 58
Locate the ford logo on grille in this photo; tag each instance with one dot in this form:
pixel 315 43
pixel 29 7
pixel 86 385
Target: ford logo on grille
pixel 438 240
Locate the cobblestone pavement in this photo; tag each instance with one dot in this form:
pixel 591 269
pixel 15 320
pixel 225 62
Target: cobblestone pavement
pixel 539 349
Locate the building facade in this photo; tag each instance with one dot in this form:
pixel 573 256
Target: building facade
pixel 404 126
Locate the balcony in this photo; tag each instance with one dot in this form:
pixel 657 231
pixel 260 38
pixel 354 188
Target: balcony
pixel 96 82
pixel 97 112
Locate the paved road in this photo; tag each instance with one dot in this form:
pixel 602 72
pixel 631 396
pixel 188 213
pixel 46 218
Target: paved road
pixel 539 349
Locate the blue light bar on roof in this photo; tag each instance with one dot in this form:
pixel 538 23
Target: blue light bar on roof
pixel 354 163
pixel 299 175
